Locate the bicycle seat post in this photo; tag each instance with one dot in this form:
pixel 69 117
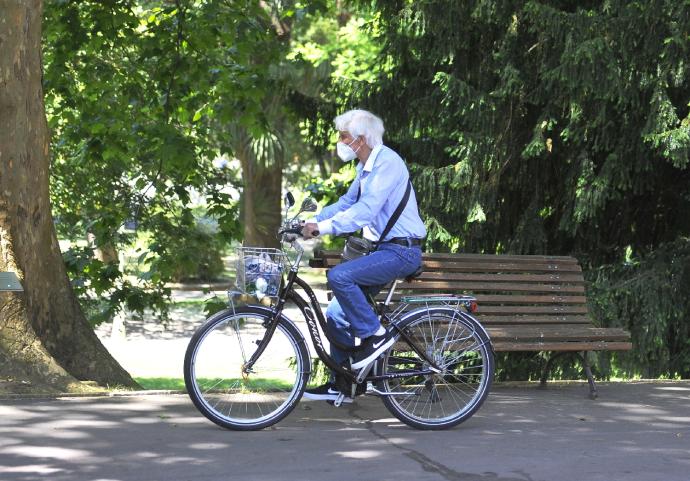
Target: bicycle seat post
pixel 389 297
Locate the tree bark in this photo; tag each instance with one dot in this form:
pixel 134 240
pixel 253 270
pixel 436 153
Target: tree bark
pixel 261 197
pixel 43 331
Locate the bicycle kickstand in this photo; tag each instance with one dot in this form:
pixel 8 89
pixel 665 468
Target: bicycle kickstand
pixel 339 400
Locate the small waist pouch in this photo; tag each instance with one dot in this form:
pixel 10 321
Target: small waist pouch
pixel 356 247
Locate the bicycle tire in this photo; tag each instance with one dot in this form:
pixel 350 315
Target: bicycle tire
pixel 217 384
pixel 457 343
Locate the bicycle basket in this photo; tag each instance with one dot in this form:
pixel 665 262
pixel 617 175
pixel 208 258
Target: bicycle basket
pixel 259 272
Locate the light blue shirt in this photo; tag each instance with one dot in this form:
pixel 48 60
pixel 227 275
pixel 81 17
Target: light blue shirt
pixel 383 180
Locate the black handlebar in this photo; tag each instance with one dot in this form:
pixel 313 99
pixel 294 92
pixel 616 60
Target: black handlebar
pixel 298 231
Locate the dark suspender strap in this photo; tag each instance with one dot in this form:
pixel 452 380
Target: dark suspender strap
pixel 398 211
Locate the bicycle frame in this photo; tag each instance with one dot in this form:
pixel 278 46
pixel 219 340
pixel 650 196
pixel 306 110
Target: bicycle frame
pixel 313 314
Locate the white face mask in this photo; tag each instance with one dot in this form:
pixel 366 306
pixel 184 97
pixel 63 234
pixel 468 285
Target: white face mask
pixel 345 152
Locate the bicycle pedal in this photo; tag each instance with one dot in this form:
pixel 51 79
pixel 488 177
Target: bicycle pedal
pixel 339 400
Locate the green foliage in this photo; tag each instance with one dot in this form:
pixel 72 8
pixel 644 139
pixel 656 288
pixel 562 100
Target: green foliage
pixel 328 191
pixel 198 254
pixel 649 297
pixel 339 47
pixel 104 290
pixel 343 46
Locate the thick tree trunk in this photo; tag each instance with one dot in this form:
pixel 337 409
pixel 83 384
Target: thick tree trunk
pixel 261 203
pixel 25 365
pixel 44 327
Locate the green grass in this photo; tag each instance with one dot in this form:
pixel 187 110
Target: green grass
pixel 177 383
pixel 189 303
pixel 161 383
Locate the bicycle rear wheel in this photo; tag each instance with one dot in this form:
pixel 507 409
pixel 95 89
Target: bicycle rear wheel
pixel 219 385
pixel 460 347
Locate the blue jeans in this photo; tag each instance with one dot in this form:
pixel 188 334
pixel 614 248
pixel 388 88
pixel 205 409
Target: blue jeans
pixel 349 315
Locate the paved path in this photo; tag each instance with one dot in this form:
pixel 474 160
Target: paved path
pixel 634 432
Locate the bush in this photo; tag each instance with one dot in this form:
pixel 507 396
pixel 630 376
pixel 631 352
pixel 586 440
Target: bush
pixel 198 253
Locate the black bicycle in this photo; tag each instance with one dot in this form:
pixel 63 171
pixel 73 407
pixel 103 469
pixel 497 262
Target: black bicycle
pixel 247 366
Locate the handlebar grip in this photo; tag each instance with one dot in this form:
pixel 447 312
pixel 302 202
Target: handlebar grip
pixel 298 231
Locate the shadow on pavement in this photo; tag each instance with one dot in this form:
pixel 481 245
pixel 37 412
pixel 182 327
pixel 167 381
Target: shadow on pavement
pixel 636 431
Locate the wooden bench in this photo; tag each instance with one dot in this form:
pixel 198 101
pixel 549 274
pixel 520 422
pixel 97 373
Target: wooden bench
pixel 526 303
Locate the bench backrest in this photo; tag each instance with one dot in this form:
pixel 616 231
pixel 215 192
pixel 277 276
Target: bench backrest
pixel 524 290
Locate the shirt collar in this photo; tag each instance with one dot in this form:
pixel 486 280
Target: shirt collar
pixel 369 165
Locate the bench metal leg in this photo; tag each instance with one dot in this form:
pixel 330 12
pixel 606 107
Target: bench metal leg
pixel 588 371
pixel 590 379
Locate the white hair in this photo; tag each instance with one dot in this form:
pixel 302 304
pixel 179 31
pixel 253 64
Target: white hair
pixel 361 122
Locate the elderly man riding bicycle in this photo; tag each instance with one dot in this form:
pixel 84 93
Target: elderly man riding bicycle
pixel 381 202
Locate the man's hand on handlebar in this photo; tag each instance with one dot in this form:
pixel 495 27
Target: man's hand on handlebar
pixel 310 230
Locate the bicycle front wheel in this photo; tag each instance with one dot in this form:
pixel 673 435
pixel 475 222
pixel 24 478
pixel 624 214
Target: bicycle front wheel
pixel 235 397
pixel 460 348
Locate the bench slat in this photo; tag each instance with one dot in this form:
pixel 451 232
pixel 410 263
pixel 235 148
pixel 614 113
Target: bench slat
pixel 484 299
pixel 562 346
pixel 523 259
pixel 471 266
pixel 492 286
pixel 448 265
pixel 508 299
pixel 489 320
pixel 512 310
pixel 476 257
pixel 490 299
pixel 556 333
pixel 499 277
pixel 501 346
